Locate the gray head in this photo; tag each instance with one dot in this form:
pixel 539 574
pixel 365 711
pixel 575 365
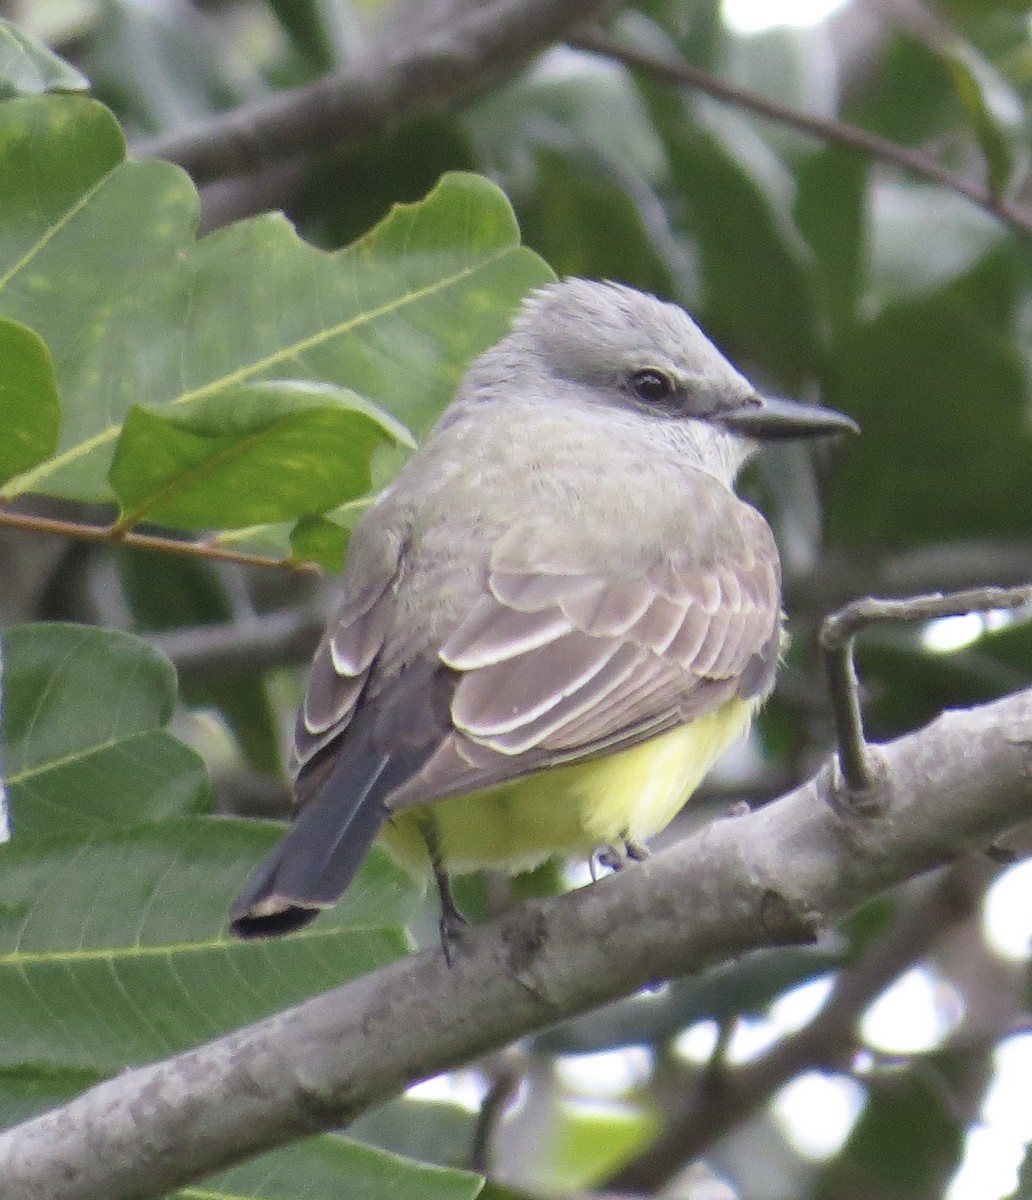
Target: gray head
pixel 612 348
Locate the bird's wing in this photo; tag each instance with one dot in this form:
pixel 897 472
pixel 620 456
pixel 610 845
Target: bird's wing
pixel 556 661
pixel 341 667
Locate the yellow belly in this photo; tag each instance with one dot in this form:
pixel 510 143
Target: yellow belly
pixel 570 811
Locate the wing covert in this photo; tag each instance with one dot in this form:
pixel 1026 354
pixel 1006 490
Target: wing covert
pixel 559 662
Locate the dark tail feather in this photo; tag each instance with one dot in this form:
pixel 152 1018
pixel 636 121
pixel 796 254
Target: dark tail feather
pixel 318 857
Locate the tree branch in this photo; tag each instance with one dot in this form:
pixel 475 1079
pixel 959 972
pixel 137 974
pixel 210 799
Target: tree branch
pixel 771 877
pixel 916 162
pixel 116 536
pixel 431 69
pixel 836 640
pixel 265 642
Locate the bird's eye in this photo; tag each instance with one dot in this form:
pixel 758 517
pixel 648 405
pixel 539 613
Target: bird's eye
pixel 651 385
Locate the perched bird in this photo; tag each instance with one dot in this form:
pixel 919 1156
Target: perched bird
pixel 553 621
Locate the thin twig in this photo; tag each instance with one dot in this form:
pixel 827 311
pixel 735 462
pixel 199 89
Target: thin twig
pixel 836 639
pixel 506 1072
pixel 113 535
pixel 917 162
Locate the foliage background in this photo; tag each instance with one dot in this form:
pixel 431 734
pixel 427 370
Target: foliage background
pixel 248 384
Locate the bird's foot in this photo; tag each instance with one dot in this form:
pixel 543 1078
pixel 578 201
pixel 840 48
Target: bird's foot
pixel 615 858
pixel 450 928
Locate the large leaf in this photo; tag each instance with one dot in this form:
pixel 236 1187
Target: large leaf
pixel 29 412
pixel 250 455
pixel 78 225
pixel 994 110
pixel 758 293
pixel 831 212
pixel 904 1144
pixel 27 66
pixel 328 1168
pixel 99 261
pixel 941 395
pixel 27 1091
pixel 162 66
pixel 84 743
pixel 114 950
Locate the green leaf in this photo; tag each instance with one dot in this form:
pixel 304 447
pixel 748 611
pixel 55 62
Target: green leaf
pixel 29 413
pixel 831 213
pixel 588 225
pixel 758 294
pixel 320 540
pixel 940 394
pixel 161 67
pixel 910 96
pixel 28 67
pixel 585 1143
pixel 250 455
pixel 904 1144
pixel 995 112
pixel 328 1168
pixel 433 1131
pixel 113 948
pixel 84 743
pixel 27 1091
pixel 304 21
pixel 574 147
pixel 923 238
pixel 102 266
pixel 77 226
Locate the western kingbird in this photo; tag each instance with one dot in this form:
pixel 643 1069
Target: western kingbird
pixel 553 621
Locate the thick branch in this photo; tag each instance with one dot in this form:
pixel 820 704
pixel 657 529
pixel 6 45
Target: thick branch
pixel 397 78
pixel 771 877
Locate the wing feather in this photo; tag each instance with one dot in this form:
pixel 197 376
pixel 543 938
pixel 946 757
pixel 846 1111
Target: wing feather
pixel 341 666
pixel 550 662
pixel 625 657
pixel 494 633
pixel 515 691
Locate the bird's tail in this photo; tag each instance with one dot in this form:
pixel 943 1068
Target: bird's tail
pixel 317 859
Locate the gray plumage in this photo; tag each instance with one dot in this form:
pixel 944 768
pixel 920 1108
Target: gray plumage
pixel 562 570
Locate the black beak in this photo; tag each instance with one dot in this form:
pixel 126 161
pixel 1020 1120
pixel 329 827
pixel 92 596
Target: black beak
pixel 769 420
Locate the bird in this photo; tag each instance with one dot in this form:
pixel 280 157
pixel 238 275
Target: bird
pixel 552 622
